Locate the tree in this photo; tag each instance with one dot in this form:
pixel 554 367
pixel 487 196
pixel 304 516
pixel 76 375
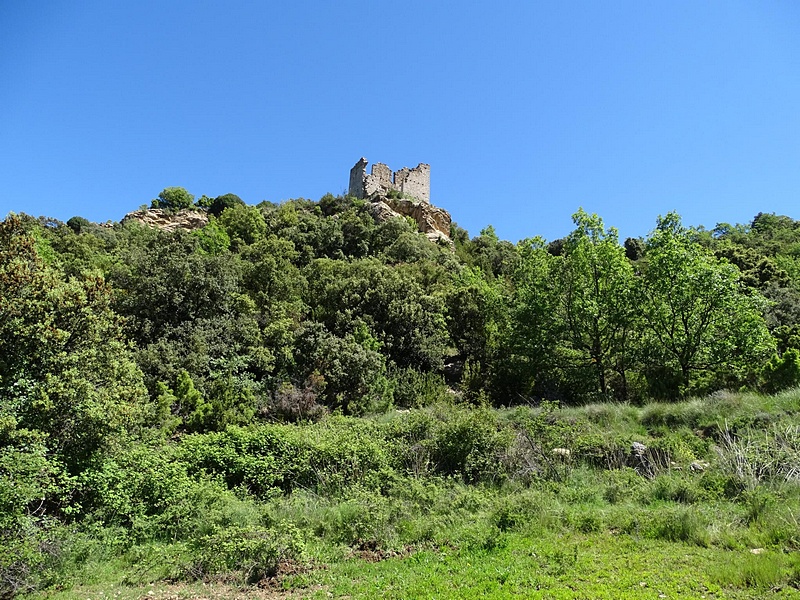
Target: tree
pixel 65 370
pixel 528 355
pixel 782 372
pixel 244 225
pixel 351 370
pixel 596 291
pixel 173 198
pixel 697 315
pixel 477 311
pixel 398 310
pixel 220 203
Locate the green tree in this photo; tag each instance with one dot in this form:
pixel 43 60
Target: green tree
pixel 782 372
pixel 399 311
pixel 213 238
pixel 65 369
pixel 697 315
pixel 353 372
pixel 529 343
pixel 477 313
pixel 220 203
pixel 173 198
pixel 244 225
pixel 596 289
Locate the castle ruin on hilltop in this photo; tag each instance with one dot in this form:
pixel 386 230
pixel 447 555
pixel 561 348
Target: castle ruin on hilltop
pixel 414 182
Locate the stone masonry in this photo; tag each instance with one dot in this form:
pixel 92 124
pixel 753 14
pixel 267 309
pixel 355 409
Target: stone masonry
pixel 414 182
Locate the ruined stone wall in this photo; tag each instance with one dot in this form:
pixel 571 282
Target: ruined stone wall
pixel 382 173
pixel 414 182
pixel 357 174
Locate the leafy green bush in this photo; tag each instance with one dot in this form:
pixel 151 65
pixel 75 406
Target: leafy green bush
pixel 271 459
pixel 469 444
pixel 244 554
pixel 149 493
pixel 264 461
pixel 416 389
pixel 782 372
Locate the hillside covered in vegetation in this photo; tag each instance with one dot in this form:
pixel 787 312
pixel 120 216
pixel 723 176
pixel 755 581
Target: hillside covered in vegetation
pixel 296 384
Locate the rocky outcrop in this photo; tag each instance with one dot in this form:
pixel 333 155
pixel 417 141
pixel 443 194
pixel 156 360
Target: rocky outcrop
pixel 431 220
pixel 169 221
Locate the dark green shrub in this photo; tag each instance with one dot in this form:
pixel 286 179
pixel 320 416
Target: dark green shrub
pixel 351 368
pixel 220 203
pixel 78 224
pixel 415 389
pixel 173 198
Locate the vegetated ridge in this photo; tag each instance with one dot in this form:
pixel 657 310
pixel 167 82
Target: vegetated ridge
pixel 217 392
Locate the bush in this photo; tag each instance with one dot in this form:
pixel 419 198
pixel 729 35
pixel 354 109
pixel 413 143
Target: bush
pixel 272 459
pixel 782 372
pixel 149 494
pixel 416 389
pixel 264 461
pixel 470 445
pixel 246 555
pixel 297 404
pixel 30 559
pixel 173 198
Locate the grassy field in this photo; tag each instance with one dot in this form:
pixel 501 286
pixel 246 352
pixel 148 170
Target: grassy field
pixel 602 565
pixel 461 502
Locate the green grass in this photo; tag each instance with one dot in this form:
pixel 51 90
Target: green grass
pixel 444 526
pixel 573 566
pixel 551 566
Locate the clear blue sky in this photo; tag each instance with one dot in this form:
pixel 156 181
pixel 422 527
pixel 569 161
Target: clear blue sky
pixel 525 110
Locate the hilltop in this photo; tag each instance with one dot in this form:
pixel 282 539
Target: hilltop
pixel 209 390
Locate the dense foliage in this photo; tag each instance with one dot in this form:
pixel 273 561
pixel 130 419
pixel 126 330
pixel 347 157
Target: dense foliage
pixel 146 375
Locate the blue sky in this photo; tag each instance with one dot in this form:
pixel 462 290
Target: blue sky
pixel 524 110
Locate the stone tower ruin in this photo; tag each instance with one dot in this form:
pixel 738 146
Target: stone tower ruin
pixel 414 182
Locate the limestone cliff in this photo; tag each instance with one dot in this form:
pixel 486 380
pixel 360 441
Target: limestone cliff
pixel 431 220
pixel 168 221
